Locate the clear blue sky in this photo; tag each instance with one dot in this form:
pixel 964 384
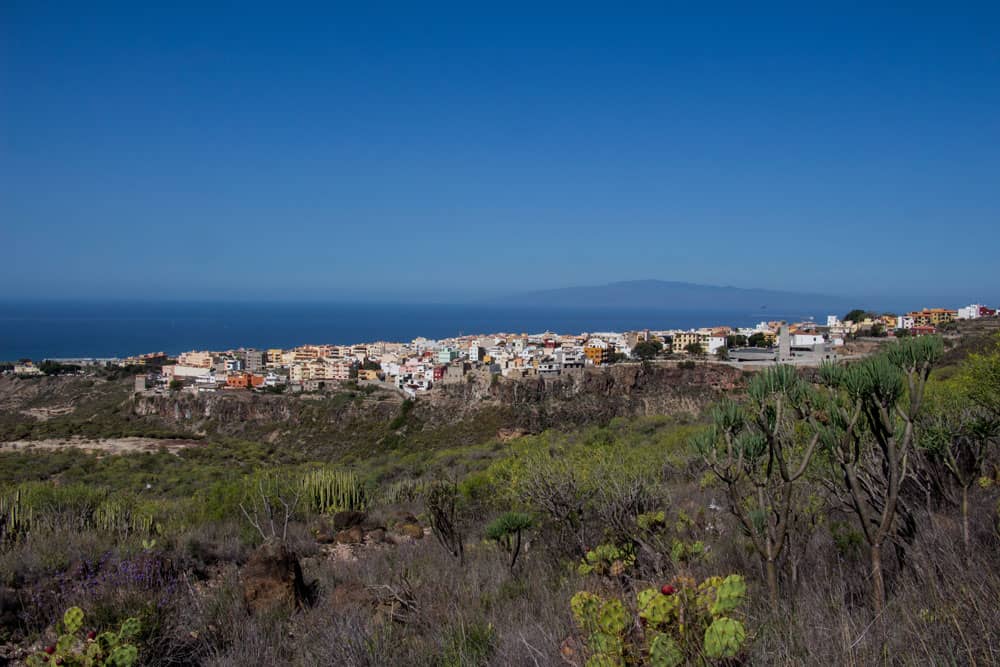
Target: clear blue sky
pixel 425 151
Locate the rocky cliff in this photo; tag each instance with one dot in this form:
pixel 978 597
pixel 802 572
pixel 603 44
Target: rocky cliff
pixel 587 396
pixel 366 417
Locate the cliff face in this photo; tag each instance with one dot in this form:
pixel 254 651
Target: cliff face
pixel 294 419
pixel 222 408
pixel 476 409
pixel 365 418
pixel 587 396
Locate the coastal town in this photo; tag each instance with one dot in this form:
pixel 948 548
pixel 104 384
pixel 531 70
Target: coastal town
pixel 421 364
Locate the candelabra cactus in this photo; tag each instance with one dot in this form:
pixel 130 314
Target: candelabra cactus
pixel 15 516
pixel 682 622
pixel 107 649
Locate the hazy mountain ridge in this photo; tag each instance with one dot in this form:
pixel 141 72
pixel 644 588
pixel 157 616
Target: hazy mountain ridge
pixel 674 295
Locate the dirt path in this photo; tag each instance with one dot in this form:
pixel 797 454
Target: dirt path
pixel 104 445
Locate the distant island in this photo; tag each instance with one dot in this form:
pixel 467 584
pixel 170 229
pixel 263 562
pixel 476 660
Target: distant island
pixel 673 295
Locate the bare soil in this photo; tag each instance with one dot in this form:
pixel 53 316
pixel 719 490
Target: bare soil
pixel 128 445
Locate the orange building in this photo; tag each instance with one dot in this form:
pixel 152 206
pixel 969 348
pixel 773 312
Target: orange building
pixel 244 380
pixel 598 351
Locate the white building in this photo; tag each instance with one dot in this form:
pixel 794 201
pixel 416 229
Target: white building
pixel 969 312
pixel 715 343
pixel 179 371
pixel 807 339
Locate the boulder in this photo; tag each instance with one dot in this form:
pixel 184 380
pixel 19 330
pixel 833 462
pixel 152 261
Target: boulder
pixel 376 536
pixel 344 520
pixel 326 536
pixel 411 530
pixel 402 516
pixel 272 580
pixel 353 535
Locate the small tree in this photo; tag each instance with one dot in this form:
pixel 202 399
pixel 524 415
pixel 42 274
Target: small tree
pixel 857 315
pixel 758 339
pixel 175 385
pixel 758 452
pixel 270 501
pixel 506 531
pixel 647 349
pixel 441 504
pixel 981 380
pixel 959 440
pixel 869 432
pixel 694 349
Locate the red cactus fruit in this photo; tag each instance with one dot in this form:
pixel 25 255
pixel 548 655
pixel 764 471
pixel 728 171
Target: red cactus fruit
pixel 50 649
pixel 667 589
pixel 91 635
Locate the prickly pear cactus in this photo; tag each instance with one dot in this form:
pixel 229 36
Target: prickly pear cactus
pixel 606 646
pixel 683 623
pixel 604 622
pixel 729 595
pixel 129 629
pixel 655 608
pixel 724 638
pixel 664 652
pixel 108 649
pixel 73 619
pixel 585 607
pixel 607 559
pixel 604 660
pixel 123 656
pixel 612 619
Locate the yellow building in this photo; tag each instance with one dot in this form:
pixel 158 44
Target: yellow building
pixel 682 339
pixel 932 317
pixel 195 359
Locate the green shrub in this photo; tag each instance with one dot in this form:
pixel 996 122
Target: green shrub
pixel 468 645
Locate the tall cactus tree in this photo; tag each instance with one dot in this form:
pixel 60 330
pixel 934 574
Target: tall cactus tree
pixel 756 450
pixel 871 413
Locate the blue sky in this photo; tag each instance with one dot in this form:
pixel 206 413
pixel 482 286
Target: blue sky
pixel 425 151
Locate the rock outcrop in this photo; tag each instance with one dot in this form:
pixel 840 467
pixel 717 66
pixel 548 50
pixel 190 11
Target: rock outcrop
pixel 272 580
pixel 586 396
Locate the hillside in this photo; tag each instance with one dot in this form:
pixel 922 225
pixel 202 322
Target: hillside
pixel 500 523
pixel 358 421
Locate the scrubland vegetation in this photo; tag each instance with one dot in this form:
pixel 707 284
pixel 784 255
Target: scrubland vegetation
pixel 837 517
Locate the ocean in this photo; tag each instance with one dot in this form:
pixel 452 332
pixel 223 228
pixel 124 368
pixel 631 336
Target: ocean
pixel 92 329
